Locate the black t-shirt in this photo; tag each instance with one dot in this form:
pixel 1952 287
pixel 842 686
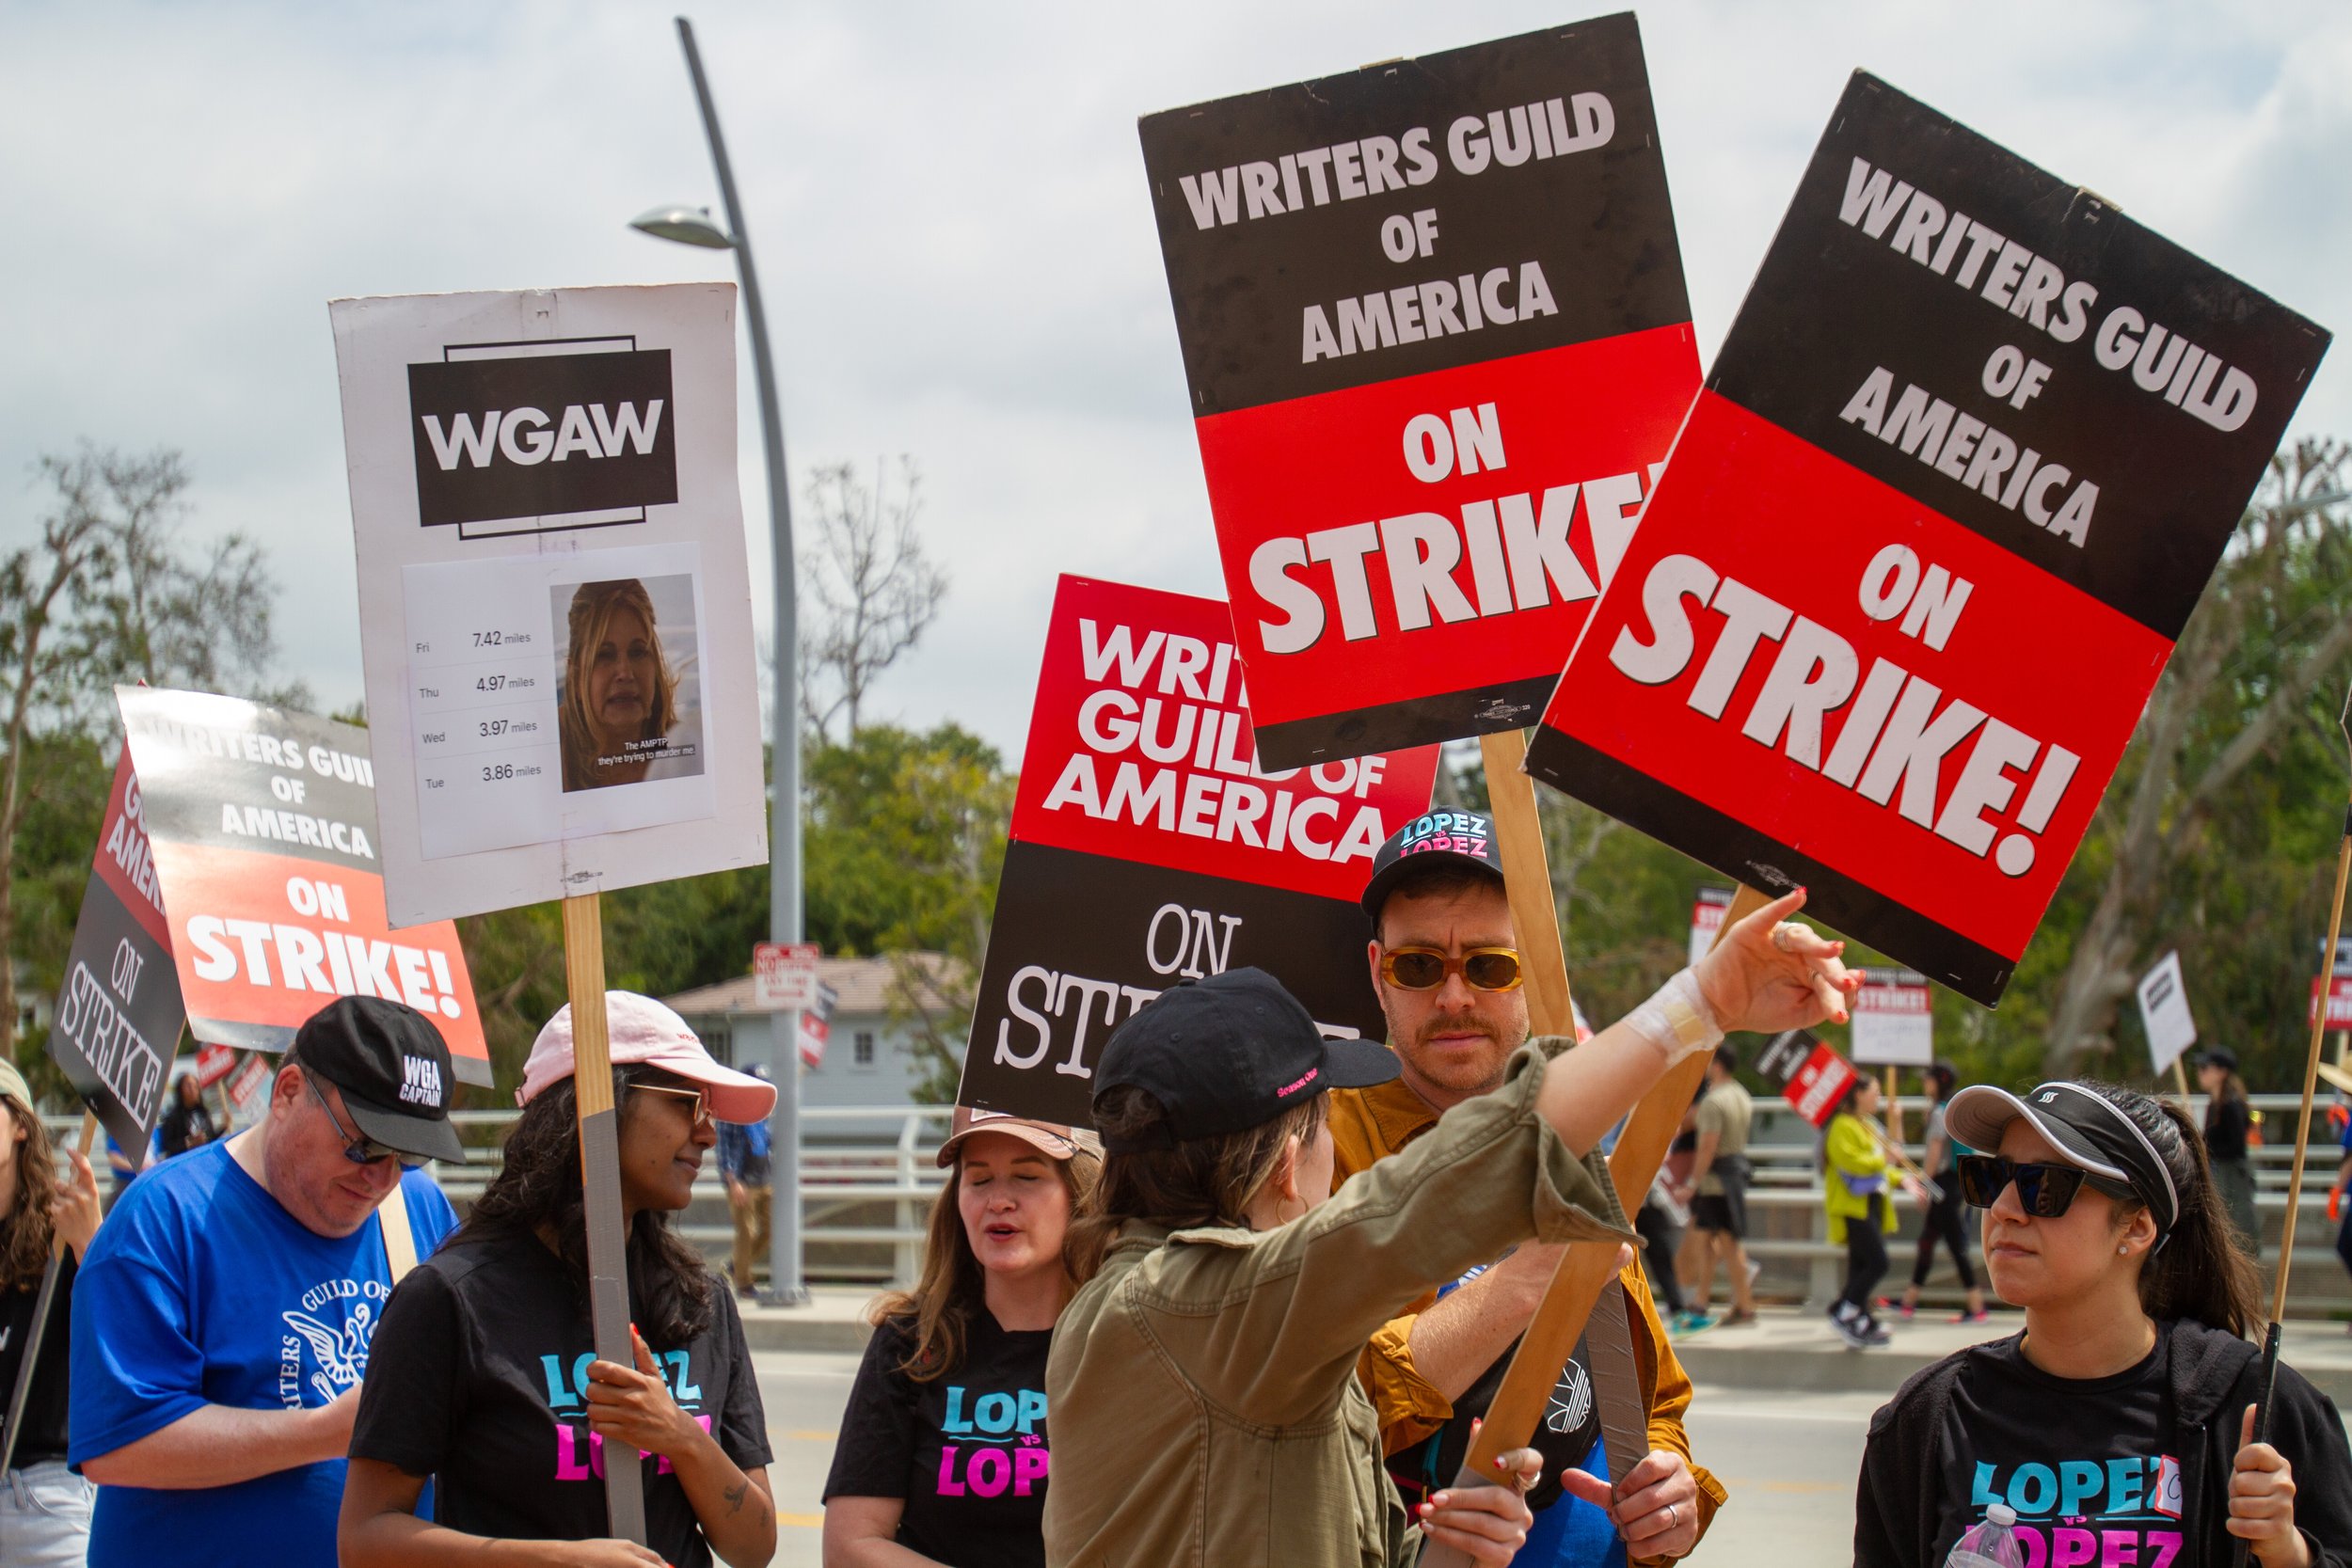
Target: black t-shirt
pixel 186 1127
pixel 2226 1124
pixel 475 1378
pixel 2091 1466
pixel 45 1404
pixel 966 1450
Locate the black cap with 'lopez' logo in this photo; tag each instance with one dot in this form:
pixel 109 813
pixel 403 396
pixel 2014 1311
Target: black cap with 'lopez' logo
pixel 393 1068
pixel 1465 838
pixel 1228 1053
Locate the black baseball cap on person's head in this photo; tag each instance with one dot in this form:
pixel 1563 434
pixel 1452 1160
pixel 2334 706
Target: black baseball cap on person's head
pixel 1461 838
pixel 2089 1131
pixel 1228 1053
pixel 393 1068
pixel 2220 1056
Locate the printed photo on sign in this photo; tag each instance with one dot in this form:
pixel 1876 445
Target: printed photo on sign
pixel 552 696
pixel 628 692
pixel 1435 328
pixel 542 479
pixel 2014 431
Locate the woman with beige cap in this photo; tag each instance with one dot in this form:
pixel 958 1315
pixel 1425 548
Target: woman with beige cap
pixel 483 1378
pixel 45 1506
pixel 944 1456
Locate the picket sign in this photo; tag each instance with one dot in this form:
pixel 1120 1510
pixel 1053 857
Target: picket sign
pixel 600 1179
pixel 1586 1269
pixel 41 1306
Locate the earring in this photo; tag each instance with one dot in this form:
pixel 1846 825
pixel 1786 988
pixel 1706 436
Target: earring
pixel 2122 1252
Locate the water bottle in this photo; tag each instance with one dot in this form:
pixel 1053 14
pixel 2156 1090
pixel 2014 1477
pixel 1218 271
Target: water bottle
pixel 1990 1544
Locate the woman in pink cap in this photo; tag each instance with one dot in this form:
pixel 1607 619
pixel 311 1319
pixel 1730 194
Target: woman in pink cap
pixel 944 1456
pixel 482 1377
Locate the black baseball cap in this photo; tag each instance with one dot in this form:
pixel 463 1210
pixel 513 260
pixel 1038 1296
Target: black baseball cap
pixel 2220 1056
pixel 1463 838
pixel 2089 1131
pixel 394 1070
pixel 1228 1053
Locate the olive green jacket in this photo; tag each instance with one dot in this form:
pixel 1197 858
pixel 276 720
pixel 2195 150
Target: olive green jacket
pixel 1206 1409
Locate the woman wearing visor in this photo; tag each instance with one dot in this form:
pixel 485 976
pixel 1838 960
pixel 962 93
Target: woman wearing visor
pixel 2117 1425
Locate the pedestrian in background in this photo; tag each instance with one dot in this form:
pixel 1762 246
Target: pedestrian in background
pixel 743 1166
pixel 1943 1220
pixel 2229 1123
pixel 944 1455
pixel 1861 1211
pixel 1717 1192
pixel 45 1506
pixel 189 1122
pixel 2335 1199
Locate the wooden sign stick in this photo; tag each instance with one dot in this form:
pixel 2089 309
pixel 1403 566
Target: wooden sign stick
pixel 1585 1268
pixel 600 1181
pixel 42 1304
pixel 2270 1374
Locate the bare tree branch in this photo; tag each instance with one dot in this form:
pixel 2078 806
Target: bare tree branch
pixel 872 589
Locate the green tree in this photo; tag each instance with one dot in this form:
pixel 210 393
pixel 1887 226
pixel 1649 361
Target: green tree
pixel 109 591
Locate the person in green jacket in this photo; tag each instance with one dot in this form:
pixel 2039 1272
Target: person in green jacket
pixel 1206 1408
pixel 1861 1209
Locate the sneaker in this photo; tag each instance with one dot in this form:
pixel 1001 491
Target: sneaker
pixel 1851 1328
pixel 1873 1331
pixel 1980 1316
pixel 1687 1323
pixel 1909 1310
pixel 1735 1317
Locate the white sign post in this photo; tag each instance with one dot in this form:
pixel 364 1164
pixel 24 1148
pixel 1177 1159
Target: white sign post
pixel 2164 1009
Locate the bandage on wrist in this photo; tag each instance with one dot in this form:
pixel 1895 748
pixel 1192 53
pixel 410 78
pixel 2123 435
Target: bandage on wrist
pixel 1677 1019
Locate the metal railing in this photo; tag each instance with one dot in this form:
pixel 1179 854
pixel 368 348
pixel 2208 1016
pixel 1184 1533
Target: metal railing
pixel 869 1178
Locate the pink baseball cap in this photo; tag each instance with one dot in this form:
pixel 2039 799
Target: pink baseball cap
pixel 643 1031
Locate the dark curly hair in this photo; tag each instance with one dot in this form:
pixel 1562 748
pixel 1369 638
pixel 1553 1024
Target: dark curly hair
pixel 670 1288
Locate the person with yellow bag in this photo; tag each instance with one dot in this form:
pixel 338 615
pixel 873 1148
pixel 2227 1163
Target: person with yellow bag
pixel 1855 1192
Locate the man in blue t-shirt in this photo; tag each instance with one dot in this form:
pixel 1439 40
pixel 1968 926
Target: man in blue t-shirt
pixel 743 1166
pixel 222 1318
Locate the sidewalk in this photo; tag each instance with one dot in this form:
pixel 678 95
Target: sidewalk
pixel 1785 1350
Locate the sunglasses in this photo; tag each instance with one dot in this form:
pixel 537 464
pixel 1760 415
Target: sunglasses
pixel 1425 968
pixel 2045 1189
pixel 700 1097
pixel 359 1149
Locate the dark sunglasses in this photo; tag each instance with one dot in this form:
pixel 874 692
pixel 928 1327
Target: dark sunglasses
pixel 2045 1189
pixel 359 1149
pixel 1425 968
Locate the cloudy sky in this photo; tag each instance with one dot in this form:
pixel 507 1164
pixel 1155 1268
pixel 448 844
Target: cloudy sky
pixel 952 224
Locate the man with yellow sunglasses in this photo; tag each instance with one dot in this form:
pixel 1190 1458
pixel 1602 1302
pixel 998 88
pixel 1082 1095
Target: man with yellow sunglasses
pixel 1445 963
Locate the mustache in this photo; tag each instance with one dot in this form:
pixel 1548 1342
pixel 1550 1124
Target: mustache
pixel 1467 1024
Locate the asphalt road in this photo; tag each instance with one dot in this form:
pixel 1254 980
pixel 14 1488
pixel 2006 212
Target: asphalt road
pixel 1788 1459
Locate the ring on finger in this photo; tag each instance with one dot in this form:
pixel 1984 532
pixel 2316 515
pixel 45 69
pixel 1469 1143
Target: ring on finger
pixel 1673 1516
pixel 1783 932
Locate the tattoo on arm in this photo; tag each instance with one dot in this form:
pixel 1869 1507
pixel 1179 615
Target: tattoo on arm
pixel 734 1496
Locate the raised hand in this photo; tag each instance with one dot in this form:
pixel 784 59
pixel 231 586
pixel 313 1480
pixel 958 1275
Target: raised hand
pixel 1770 973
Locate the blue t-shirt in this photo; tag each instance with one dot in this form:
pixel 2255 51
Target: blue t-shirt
pixel 201 1289
pixel 1572 1533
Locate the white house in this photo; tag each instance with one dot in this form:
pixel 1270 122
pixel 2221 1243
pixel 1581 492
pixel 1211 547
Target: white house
pixel 869 1060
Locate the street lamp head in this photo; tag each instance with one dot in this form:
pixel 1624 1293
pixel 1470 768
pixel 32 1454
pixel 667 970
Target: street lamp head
pixel 686 225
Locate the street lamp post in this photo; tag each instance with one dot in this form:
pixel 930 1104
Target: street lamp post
pixel 691 226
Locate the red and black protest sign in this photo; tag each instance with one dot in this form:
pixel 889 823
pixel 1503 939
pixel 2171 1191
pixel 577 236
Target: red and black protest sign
pixel 1812 1077
pixel 1434 322
pixel 262 827
pixel 1973 447
pixel 118 1014
pixel 1150 846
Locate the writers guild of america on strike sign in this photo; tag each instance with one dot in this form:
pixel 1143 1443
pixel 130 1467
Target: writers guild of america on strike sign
pixel 1973 447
